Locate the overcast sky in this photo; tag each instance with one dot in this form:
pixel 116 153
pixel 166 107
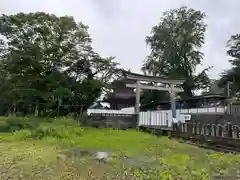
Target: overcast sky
pixel 118 27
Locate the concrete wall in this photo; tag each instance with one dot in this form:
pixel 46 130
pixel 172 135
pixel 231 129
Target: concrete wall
pixel 117 121
pixel 130 110
pixel 216 118
pixel 108 111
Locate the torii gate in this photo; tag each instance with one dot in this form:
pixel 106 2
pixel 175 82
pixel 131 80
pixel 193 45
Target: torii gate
pixel 170 82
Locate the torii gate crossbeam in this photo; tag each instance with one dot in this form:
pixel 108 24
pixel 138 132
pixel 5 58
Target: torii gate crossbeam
pixel 171 89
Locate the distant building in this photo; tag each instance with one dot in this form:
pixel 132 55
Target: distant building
pixel 213 88
pixel 122 96
pixel 211 100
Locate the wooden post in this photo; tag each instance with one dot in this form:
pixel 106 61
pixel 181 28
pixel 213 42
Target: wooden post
pixel 237 132
pixel 234 132
pixel 137 109
pixel 218 128
pixel 173 102
pixel 182 127
pixel 175 126
pixel 209 129
pixel 213 129
pixel 221 130
pixel 230 131
pixel 205 129
pixel 194 128
pixel 198 128
pixel 202 129
pixel 81 110
pixel 225 130
pixel 185 127
pixel 167 119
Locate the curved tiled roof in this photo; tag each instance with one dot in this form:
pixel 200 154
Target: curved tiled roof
pixel 160 79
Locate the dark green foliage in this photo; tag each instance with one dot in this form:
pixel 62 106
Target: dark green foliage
pixel 175 45
pixel 232 75
pixel 59 132
pixel 4 127
pixel 39 128
pixel 154 95
pixel 48 66
pixel 18 123
pixel 58 128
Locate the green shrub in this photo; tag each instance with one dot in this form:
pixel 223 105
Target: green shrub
pixel 82 119
pixel 19 114
pixel 23 128
pixel 4 126
pixel 18 123
pixel 65 122
pixel 22 134
pixel 14 123
pixel 57 130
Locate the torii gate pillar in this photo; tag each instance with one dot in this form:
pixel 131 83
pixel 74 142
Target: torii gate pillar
pixel 137 99
pixel 171 89
pixel 173 102
pixel 172 97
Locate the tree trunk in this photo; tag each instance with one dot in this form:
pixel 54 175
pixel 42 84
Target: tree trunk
pixel 36 109
pixel 14 108
pixel 187 89
pixel 59 105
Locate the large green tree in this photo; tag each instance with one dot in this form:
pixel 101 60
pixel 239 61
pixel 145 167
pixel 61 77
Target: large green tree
pixel 232 75
pixel 175 45
pixel 48 61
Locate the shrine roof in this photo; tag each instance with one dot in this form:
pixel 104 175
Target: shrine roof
pixel 160 79
pixel 122 81
pixel 194 98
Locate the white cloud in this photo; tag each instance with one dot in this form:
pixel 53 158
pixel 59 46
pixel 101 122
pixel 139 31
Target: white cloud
pixel 118 28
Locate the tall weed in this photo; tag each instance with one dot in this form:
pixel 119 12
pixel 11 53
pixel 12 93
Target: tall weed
pixel 18 123
pixel 23 128
pixel 56 131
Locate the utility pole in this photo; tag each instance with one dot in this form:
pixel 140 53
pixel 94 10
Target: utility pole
pixel 228 88
pixel 228 95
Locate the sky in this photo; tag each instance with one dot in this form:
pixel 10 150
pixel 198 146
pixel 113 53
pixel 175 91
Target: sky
pixel 119 27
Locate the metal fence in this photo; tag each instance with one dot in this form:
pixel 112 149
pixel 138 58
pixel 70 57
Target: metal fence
pixel 220 110
pixel 160 117
pixel 108 111
pixel 233 109
pixel 215 110
pixel 227 130
pixel 110 120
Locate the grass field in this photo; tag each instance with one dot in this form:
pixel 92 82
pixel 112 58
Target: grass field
pixel 61 149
